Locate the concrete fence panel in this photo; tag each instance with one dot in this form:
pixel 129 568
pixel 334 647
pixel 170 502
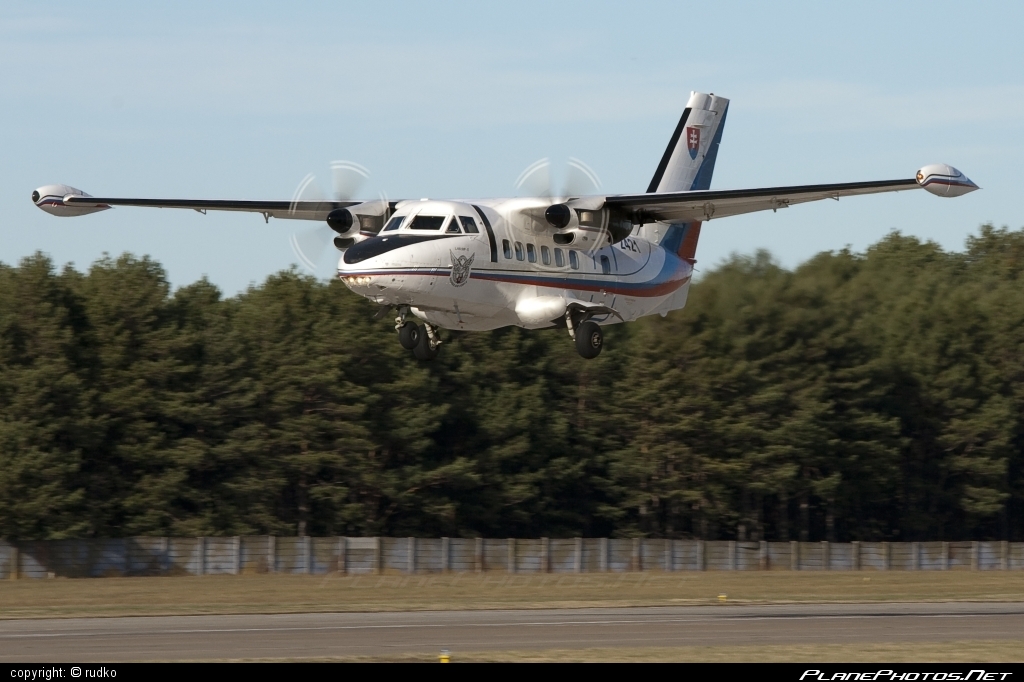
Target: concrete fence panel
pixel 290 557
pixel 463 554
pixel 324 555
pixel 747 556
pixel 142 556
pixel 620 554
pixel 8 554
pixel 256 554
pixel 1016 557
pixel 591 559
pixel 395 554
pixel 147 556
pixel 528 556
pixel 901 556
pixel 496 554
pixel 841 556
pixel 361 555
pixel 428 555
pixel 716 556
pixel 960 555
pixel 181 556
pixel 220 556
pixel 563 555
pixel 872 556
pixel 988 556
pixel 779 556
pixel 686 555
pixel 932 556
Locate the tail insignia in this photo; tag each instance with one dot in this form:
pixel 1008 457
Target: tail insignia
pixel 693 141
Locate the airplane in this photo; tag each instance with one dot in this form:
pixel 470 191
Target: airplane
pixel 578 261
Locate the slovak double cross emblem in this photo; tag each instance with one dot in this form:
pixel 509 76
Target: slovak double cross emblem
pixel 460 268
pixel 693 141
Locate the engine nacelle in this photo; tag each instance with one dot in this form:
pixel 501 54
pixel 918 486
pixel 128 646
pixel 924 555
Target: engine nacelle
pixel 358 222
pixel 342 221
pixel 50 198
pixel 590 227
pixel 944 181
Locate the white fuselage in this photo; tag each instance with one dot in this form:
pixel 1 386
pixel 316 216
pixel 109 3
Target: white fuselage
pixel 509 271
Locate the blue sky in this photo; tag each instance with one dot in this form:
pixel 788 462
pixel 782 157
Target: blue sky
pixel 446 99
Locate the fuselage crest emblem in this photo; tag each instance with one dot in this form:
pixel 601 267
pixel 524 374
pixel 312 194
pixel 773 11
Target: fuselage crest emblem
pixel 460 268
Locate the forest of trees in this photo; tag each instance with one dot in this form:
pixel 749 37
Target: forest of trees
pixel 862 396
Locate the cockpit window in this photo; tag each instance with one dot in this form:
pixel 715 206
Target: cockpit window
pixel 453 226
pixel 394 223
pixel 427 222
pixel 469 225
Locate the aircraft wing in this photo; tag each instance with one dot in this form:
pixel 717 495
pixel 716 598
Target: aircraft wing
pixel 939 179
pixel 707 204
pixel 296 210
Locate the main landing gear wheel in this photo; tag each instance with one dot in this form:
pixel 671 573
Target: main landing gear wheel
pixel 409 335
pixel 589 339
pixel 425 349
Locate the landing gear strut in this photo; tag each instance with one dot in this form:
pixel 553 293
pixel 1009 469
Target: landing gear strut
pixel 428 344
pixel 586 334
pixel 589 339
pixel 421 339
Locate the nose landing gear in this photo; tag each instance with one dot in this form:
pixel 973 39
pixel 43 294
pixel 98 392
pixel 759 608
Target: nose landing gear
pixel 421 339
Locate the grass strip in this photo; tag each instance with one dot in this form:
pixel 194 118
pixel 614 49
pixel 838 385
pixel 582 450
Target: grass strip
pixel 223 594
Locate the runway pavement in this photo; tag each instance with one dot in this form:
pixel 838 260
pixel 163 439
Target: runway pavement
pixel 322 635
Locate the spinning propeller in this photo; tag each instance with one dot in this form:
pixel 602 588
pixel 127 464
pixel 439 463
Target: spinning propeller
pixel 312 245
pixel 578 179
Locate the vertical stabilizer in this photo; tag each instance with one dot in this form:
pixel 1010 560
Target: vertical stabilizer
pixel 689 159
pixel 689 162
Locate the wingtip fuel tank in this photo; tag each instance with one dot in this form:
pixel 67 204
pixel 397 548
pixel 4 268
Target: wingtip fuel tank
pixel 50 198
pixel 943 180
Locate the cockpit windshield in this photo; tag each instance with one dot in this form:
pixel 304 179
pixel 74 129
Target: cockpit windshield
pixel 453 226
pixel 427 222
pixel 394 223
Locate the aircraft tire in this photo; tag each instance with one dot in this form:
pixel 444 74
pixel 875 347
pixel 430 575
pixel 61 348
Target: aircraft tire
pixel 589 339
pixel 409 335
pixel 423 351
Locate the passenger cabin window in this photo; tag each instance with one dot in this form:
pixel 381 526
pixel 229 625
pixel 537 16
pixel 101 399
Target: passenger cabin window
pixel 519 251
pixel 606 266
pixel 469 225
pixel 507 248
pixel 574 260
pixel 427 222
pixel 453 226
pixel 545 255
pixel 531 253
pixel 394 223
pixel 559 258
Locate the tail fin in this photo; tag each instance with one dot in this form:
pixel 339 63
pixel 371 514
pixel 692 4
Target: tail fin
pixel 689 162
